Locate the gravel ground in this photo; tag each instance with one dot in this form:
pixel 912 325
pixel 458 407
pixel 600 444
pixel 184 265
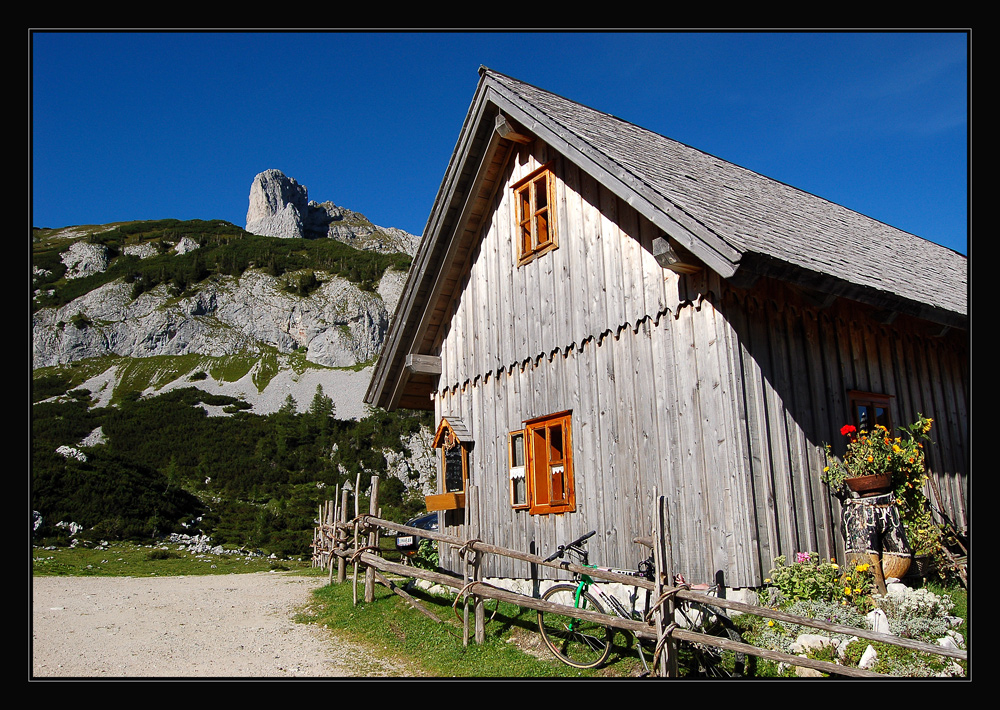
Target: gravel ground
pixel 237 625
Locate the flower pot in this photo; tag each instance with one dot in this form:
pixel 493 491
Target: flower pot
pixel 866 486
pixel 894 566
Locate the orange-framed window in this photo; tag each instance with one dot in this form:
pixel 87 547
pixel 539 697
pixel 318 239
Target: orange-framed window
pixel 548 465
pixel 870 409
pixel 535 197
pixel 518 470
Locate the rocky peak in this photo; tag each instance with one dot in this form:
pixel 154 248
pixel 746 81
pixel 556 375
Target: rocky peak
pixel 280 207
pixel 277 205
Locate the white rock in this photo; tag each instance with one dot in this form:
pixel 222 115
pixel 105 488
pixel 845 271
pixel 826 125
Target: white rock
pixel 868 658
pixel 185 245
pixel 83 259
pixel 143 251
pixel 810 642
pixel 878 621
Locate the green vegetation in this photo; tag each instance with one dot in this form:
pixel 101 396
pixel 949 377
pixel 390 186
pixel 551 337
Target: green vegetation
pixel 512 649
pixel 116 559
pixel 224 249
pixel 814 588
pixel 246 480
pixel 134 375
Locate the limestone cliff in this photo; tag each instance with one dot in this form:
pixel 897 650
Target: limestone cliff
pixel 335 323
pixel 280 207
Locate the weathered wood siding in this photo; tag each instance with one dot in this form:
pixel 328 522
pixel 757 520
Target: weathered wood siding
pixel 718 397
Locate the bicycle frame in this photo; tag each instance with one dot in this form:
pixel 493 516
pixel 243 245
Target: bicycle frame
pixel 586 587
pixel 586 643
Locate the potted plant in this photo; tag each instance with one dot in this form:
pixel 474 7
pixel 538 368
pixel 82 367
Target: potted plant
pixel 876 463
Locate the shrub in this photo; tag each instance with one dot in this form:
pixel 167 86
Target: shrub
pixel 810 578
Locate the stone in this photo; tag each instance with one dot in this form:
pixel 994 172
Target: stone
pixel 84 259
pixel 185 245
pixel 143 251
pixel 878 621
pixel 868 658
pixel 276 206
pixel 280 207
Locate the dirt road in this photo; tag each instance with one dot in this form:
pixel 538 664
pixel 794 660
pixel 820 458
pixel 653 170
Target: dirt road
pixel 237 626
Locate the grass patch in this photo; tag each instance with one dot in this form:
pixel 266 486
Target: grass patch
pixel 123 559
pixel 397 631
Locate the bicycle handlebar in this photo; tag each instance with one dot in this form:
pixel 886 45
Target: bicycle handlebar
pixel 561 550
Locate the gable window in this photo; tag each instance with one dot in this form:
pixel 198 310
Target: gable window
pixel 536 229
pixel 869 410
pixel 543 450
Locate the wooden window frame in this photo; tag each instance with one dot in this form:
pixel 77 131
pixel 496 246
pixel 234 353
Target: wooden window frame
pixel 548 453
pixel 536 225
pixel 518 471
pixel 876 401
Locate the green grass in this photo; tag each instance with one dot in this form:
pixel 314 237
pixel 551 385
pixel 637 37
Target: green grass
pixel 122 559
pixel 433 649
pixel 136 374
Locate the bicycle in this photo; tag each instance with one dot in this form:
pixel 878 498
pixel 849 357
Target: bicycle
pixel 585 643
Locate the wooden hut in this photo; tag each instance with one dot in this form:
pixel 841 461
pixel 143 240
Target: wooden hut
pixel 600 310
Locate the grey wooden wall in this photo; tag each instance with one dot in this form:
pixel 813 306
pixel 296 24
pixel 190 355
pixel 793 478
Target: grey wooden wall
pixel 718 397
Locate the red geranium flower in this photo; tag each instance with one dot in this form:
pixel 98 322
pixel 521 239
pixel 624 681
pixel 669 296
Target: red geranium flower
pixel 847 430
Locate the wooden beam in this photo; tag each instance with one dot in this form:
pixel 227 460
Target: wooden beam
pixel 423 364
pixel 674 257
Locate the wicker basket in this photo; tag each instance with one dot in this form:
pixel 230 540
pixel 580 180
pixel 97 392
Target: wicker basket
pixel 895 566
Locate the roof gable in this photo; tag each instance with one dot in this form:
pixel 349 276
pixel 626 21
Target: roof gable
pixel 739 223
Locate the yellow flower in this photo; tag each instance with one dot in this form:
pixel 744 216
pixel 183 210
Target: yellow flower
pixel 863 568
pixel 770 622
pixel 870 459
pixel 895 448
pixel 767 581
pixel 834 565
pixel 847 591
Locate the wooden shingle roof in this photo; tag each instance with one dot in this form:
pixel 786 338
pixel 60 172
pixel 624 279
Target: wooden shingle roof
pixel 755 216
pixel 738 222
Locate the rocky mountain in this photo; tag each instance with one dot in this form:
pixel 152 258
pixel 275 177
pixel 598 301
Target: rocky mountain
pixel 287 331
pixel 283 319
pixel 280 207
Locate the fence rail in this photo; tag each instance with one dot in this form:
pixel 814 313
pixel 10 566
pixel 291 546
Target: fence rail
pixel 339 542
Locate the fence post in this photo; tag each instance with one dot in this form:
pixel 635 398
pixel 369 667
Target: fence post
pixel 341 539
pixel 372 541
pixel 665 613
pixel 474 570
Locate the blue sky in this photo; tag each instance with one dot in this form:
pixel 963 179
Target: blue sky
pixel 155 125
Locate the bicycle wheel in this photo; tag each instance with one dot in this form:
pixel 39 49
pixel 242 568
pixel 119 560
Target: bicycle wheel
pixel 580 643
pixel 711 661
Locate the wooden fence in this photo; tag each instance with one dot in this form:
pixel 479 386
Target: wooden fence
pixel 340 541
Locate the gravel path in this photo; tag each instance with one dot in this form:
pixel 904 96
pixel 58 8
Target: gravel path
pixel 237 625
